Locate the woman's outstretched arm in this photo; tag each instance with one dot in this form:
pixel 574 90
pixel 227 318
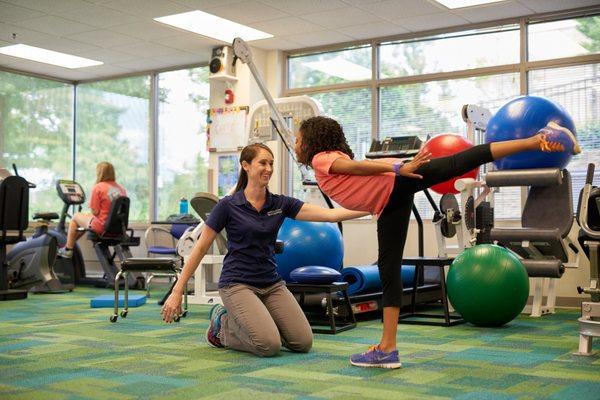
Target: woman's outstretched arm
pixel 311 212
pixel 366 167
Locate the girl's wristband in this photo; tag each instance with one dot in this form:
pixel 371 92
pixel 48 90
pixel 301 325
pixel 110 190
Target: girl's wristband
pixel 397 167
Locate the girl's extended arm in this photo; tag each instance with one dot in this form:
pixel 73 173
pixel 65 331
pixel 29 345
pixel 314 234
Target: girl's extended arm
pixel 343 166
pixel 311 212
pixel 172 306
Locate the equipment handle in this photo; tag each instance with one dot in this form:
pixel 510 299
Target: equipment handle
pixel 589 179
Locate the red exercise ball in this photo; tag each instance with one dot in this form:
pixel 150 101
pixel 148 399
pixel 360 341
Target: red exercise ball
pixel 444 145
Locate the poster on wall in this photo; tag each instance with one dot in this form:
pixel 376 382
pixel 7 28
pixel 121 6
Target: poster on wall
pixel 227 128
pixel 228 173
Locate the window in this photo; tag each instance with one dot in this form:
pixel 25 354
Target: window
pixel 182 159
pixel 439 54
pixel 36 127
pixel 328 68
pixel 352 109
pixel 431 108
pixel 113 125
pixel 577 89
pixel 567 38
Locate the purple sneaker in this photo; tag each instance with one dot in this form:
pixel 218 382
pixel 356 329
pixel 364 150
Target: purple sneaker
pixel 213 333
pixel 558 138
pixel 375 358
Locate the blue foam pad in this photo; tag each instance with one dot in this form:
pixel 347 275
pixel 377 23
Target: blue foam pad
pixel 315 274
pixel 108 301
pixel 365 278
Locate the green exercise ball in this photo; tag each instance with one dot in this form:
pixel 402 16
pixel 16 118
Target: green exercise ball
pixel 487 285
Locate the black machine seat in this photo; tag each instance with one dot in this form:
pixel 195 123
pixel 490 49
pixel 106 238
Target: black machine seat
pixel 546 220
pixel 47 216
pixel 151 264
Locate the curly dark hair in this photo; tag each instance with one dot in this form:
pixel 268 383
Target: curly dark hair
pixel 321 134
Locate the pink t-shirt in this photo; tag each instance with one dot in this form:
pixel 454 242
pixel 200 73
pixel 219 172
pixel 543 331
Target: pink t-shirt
pixel 103 194
pixel 354 192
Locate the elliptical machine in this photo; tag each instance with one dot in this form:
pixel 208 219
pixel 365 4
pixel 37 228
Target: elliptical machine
pixel 30 263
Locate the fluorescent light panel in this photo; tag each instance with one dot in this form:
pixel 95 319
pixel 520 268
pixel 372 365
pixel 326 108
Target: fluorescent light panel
pixel 212 26
pixel 48 56
pixel 465 3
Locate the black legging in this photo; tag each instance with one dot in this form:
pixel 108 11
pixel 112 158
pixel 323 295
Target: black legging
pixel 392 225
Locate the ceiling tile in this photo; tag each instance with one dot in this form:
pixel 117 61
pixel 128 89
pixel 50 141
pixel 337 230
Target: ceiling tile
pixel 431 21
pixel 185 58
pixel 372 30
pixel 301 7
pixel 505 9
pixel 103 38
pixel 248 11
pixel 286 26
pixel 277 43
pixel 141 64
pixel 394 9
pixel 14 13
pixel 206 4
pixel 97 16
pixel 106 70
pixel 65 45
pixel 146 49
pixel 342 17
pixel 49 6
pixel 319 38
pixel 23 35
pixel 540 6
pixel 189 42
pixel 147 9
pixel 147 30
pixel 107 56
pixel 54 25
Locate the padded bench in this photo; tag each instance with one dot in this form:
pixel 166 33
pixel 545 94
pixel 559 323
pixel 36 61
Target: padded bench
pixel 132 265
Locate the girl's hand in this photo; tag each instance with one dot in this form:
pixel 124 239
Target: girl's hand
pixel 410 167
pixel 172 307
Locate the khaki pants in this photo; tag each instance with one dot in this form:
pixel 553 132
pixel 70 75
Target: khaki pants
pixel 261 320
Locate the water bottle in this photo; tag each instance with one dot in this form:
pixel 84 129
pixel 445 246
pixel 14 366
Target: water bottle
pixel 183 206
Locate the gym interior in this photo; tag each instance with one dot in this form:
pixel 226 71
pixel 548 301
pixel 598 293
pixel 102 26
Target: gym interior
pixel 501 289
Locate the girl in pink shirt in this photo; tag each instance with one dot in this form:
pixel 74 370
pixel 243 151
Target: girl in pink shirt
pixel 103 194
pixel 386 188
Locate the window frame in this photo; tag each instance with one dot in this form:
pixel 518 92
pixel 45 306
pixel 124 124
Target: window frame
pixel 523 67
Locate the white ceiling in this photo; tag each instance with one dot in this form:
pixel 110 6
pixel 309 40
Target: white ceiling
pixel 123 35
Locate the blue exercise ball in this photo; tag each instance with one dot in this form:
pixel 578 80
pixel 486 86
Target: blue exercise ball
pixel 521 118
pixel 309 243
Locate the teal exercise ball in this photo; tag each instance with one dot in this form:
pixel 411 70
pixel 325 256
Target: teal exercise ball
pixel 309 243
pixel 487 285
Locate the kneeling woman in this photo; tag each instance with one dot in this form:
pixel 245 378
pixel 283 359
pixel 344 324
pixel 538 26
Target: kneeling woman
pixel 259 314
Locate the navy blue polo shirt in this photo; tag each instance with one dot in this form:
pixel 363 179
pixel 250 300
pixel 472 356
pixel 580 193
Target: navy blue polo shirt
pixel 251 236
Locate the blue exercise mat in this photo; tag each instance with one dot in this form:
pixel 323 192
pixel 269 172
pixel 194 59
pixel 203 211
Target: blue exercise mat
pixel 365 278
pixel 108 301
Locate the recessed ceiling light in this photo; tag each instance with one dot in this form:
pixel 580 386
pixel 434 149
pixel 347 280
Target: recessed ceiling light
pixel 465 3
pixel 47 56
pixel 212 26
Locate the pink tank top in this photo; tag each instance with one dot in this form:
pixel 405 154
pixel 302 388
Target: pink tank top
pixel 355 192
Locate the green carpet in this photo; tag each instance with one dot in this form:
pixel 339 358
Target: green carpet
pixel 57 347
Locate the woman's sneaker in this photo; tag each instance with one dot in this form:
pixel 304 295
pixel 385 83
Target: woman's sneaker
pixel 375 358
pixel 64 253
pixel 213 333
pixel 558 138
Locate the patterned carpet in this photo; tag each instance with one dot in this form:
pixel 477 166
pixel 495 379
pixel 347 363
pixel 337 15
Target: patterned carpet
pixel 57 347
